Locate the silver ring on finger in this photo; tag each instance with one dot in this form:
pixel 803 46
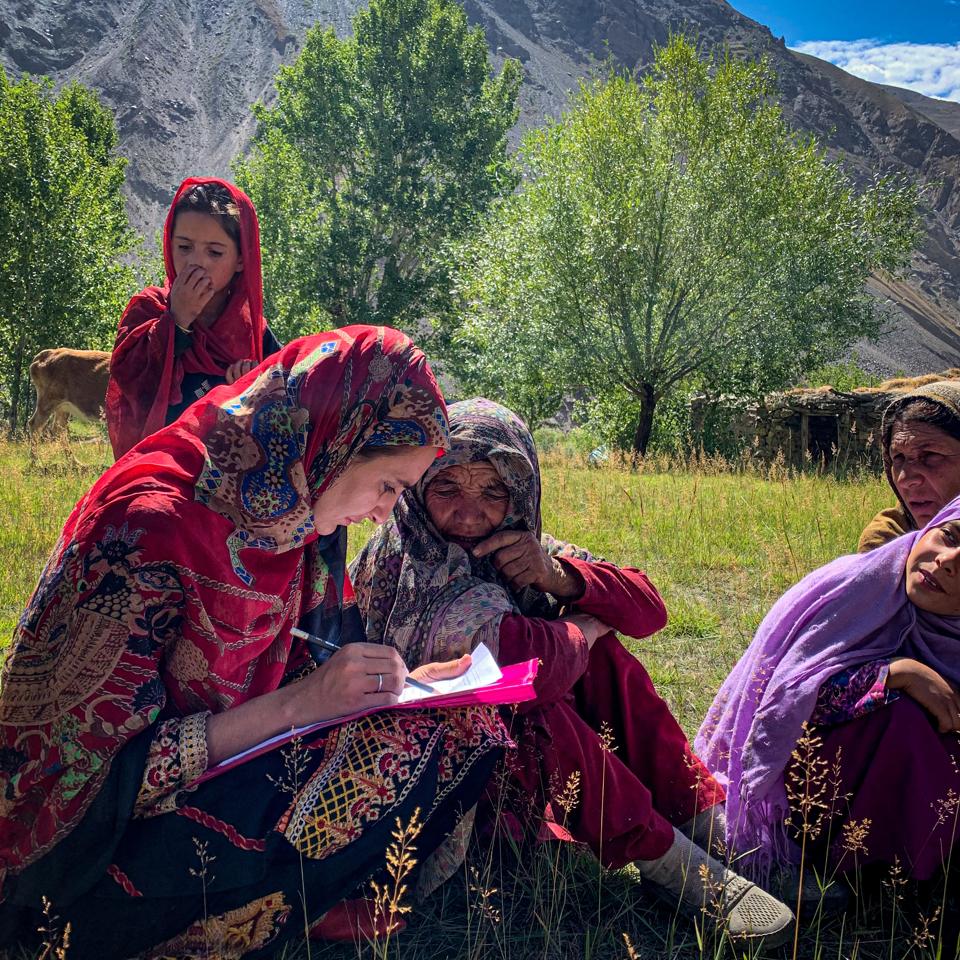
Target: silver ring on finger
pixel 379 682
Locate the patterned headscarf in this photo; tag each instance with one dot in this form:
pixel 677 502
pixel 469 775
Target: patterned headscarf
pixel 430 598
pixel 177 578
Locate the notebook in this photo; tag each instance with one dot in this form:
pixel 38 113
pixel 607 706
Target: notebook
pixel 483 683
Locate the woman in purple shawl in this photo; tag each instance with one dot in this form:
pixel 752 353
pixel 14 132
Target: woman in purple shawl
pixel 866 652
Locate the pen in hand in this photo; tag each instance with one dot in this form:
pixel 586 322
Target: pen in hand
pixel 327 647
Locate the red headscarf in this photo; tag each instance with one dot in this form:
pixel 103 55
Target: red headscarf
pixel 145 376
pixel 177 578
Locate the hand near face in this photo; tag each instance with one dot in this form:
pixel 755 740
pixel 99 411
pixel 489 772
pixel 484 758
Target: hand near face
pixel 190 292
pixel 238 369
pixel 520 557
pixel 929 689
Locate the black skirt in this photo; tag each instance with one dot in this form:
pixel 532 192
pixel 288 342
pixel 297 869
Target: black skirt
pixel 248 859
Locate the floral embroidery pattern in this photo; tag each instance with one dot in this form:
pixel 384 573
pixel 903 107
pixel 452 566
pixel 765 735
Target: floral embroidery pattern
pixel 230 935
pixel 853 693
pixel 371 765
pixel 177 755
pixel 94 623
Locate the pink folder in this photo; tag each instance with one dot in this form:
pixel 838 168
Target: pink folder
pixel 515 686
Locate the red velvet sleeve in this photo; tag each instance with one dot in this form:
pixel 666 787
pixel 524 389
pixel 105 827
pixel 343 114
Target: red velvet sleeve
pixel 559 645
pixel 141 371
pixel 623 597
pixel 620 596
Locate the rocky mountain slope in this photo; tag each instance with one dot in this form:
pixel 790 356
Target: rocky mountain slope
pixel 181 75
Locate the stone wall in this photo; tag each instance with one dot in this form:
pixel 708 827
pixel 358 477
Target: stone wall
pixel 820 427
pixel 806 427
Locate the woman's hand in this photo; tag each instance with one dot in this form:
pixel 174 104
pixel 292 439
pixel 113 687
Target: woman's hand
pixel 347 683
pixel 929 689
pixel 445 670
pixel 591 627
pixel 190 292
pixel 520 557
pixel 358 676
pixel 238 369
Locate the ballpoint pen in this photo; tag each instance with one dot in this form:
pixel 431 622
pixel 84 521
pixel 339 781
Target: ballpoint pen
pixel 327 647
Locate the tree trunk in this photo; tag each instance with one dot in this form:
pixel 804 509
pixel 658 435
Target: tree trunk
pixel 17 382
pixel 648 403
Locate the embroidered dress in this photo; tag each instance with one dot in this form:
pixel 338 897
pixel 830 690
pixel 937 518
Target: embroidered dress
pixel 836 630
pixel 157 370
pixel 853 693
pixel 431 599
pixel 169 597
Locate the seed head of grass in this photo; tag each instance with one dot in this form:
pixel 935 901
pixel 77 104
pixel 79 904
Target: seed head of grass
pixel 388 898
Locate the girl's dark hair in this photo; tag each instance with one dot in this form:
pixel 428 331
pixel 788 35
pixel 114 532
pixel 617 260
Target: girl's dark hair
pixel 920 410
pixel 215 200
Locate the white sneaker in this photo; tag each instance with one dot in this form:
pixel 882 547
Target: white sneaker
pixel 699 883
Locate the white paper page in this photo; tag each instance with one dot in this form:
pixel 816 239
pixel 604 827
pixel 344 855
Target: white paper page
pixel 482 672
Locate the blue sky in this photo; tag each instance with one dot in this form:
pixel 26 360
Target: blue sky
pixel 911 43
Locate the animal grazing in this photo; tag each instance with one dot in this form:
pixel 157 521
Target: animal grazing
pixel 68 382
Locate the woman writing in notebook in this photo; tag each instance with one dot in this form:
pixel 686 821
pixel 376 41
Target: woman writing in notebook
pixel 463 560
pixel 158 642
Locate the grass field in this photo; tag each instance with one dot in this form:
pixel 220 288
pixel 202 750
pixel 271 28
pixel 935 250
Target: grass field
pixel 720 545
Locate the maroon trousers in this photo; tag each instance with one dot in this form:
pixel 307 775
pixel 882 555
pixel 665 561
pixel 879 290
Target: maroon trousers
pixel 899 784
pixel 628 794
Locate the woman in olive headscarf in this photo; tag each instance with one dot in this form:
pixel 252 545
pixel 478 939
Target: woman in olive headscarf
pixel 920 434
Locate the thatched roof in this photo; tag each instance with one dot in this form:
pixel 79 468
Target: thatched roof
pixel 829 400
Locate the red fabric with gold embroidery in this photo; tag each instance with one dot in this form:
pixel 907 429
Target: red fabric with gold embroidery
pixel 178 576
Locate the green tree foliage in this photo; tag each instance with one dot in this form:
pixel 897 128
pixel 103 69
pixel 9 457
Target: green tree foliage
pixel 379 149
pixel 674 233
pixel 842 375
pixel 63 226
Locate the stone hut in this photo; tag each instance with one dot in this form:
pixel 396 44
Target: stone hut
pixel 825 426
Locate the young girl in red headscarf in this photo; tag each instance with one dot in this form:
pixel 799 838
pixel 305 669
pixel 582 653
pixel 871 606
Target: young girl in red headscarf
pixel 205 327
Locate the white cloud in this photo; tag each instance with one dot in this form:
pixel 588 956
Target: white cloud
pixel 929 68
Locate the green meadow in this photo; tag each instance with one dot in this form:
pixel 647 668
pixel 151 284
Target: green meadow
pixel 721 545
pixel 721 542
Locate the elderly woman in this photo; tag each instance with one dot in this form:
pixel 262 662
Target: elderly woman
pixel 463 560
pixel 158 643
pixel 920 434
pixel 838 727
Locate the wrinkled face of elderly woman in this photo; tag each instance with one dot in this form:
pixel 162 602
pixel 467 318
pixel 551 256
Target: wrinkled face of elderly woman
pixel 467 503
pixel 933 570
pixel 925 467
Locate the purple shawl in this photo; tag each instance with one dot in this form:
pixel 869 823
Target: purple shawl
pixel 849 612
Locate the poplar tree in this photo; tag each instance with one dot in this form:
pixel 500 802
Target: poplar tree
pixel 674 233
pixel 378 150
pixel 63 227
